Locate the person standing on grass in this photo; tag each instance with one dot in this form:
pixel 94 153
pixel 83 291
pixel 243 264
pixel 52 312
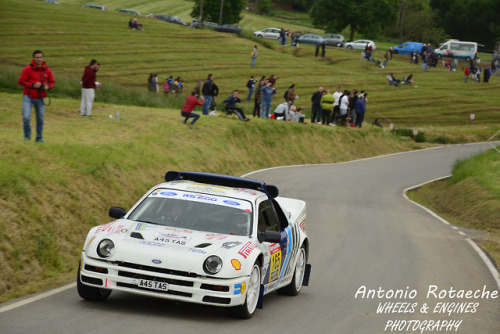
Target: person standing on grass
pixel 207 91
pixel 89 83
pixel 267 92
pixel 251 86
pixel 316 105
pixel 360 110
pixel 37 79
pixel 254 55
pixel 191 102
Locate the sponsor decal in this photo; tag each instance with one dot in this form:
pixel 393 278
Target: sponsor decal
pixel 151 243
pixel 201 197
pixel 156 261
pixel 231 203
pixel 168 193
pixel 303 225
pixel 91 241
pixel 144 227
pixel 240 288
pixel 208 189
pixel 109 228
pixel 236 264
pixel 196 250
pixel 247 191
pixel 123 230
pixel 274 270
pixel 247 249
pixel 213 236
pixel 230 244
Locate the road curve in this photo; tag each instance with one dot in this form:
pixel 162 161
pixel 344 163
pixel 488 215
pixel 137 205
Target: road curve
pixel 364 235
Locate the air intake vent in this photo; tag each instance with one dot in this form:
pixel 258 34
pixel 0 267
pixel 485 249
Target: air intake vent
pixel 136 235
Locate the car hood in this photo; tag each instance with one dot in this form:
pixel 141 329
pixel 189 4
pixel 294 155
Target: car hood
pixel 179 249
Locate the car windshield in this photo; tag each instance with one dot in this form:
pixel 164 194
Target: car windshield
pixel 200 212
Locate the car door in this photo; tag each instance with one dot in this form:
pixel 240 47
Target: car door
pixel 278 256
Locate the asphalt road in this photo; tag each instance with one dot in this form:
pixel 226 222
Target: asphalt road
pixel 364 234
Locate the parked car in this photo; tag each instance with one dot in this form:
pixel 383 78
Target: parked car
pixel 171 19
pixel 454 48
pixel 311 39
pixel 100 7
pixel 130 11
pixel 268 33
pixel 210 25
pixel 407 48
pixel 203 238
pixel 232 28
pixel 334 40
pixel 359 44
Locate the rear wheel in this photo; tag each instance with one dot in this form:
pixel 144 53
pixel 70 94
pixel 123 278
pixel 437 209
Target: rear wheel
pixel 246 310
pixel 295 285
pixel 349 47
pixel 89 292
pixel 339 44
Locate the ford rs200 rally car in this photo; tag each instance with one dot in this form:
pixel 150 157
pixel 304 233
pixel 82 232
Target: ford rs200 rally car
pixel 201 238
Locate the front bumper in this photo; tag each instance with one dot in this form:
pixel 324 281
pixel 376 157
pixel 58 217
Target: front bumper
pixel 182 286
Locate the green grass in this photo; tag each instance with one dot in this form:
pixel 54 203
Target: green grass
pixel 52 194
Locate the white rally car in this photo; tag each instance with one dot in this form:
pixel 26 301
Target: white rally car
pixel 201 238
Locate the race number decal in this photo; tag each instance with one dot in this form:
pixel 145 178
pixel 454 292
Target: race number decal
pixel 274 270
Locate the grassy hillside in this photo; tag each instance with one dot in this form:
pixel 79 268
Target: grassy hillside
pixel 51 194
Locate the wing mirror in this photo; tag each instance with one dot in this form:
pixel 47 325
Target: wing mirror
pixel 116 212
pixel 269 236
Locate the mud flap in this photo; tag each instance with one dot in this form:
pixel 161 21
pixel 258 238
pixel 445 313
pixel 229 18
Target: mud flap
pixel 307 273
pixel 261 297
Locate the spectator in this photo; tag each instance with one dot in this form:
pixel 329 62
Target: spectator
pixel 137 25
pixel 37 79
pixel 298 116
pixel 486 75
pixel 179 85
pixel 153 83
pixel 352 105
pixel 267 92
pixel 289 94
pixel 207 91
pixel 318 45
pixel 254 55
pixel 323 46
pixel 391 51
pixel 166 87
pixel 327 102
pixel 272 79
pixel 466 74
pixel 316 105
pixel 344 107
pixel 251 86
pixel 391 80
pixel 232 108
pixel 386 58
pixel 89 83
pixel 282 112
pixel 191 102
pixel 257 98
pixel 360 111
pixel 213 104
pixel 336 105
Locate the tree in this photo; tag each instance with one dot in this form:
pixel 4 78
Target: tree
pixel 363 16
pixel 231 11
pixel 474 20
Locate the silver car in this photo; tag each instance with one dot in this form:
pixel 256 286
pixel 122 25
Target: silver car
pixel 268 33
pixel 334 40
pixel 130 11
pixel 360 44
pixel 100 7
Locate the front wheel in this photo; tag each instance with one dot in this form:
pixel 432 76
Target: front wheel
pixel 246 310
pixel 349 47
pixel 90 293
pixel 295 285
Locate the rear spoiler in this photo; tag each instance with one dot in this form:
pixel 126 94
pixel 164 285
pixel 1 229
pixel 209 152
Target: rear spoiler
pixel 224 180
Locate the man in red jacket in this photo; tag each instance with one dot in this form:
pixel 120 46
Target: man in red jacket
pixel 37 79
pixel 88 87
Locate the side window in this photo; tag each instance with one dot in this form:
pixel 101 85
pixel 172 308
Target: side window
pixel 271 217
pixel 267 217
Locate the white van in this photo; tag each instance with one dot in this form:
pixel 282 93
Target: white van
pixel 457 49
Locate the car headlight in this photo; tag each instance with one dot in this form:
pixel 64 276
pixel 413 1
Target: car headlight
pixel 106 248
pixel 212 265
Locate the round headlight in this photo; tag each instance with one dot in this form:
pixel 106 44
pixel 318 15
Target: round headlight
pixel 105 248
pixel 212 265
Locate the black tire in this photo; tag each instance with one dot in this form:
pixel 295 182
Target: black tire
pixel 339 44
pixel 293 289
pixel 349 47
pixel 396 52
pixel 90 293
pixel 246 310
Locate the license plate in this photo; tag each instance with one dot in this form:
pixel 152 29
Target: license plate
pixel 152 285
